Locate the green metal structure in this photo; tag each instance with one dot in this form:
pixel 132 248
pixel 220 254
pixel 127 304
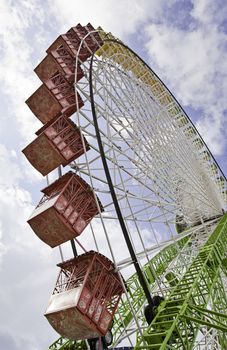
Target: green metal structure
pixel 192 306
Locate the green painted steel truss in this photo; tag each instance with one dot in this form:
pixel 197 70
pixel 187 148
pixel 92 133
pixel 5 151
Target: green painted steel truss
pixel 196 305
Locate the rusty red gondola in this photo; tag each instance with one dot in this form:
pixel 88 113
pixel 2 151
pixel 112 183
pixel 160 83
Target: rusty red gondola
pixel 71 41
pixel 91 39
pixel 56 96
pixel 59 142
pixel 67 207
pixel 94 34
pixel 85 297
pixel 60 60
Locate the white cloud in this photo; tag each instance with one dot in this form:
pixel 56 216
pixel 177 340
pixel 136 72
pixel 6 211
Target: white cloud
pixel 17 80
pixel 122 18
pixel 208 11
pixel 3 248
pixel 26 264
pixel 10 169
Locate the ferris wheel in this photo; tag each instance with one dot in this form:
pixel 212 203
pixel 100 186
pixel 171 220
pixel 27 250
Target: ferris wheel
pixel 144 192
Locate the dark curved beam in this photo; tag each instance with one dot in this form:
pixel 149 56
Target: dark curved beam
pixel 114 197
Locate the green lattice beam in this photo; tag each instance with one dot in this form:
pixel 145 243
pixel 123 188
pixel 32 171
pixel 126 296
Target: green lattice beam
pixel 180 316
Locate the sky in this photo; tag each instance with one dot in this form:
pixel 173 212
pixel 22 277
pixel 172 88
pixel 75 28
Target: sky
pixel 184 42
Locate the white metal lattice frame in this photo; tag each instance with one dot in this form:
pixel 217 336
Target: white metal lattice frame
pixel 159 165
